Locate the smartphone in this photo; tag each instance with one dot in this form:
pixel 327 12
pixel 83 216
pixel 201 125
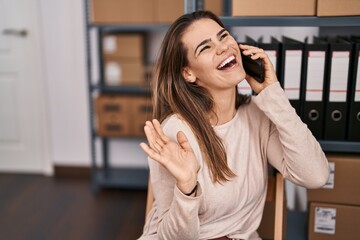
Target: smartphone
pixel 254 68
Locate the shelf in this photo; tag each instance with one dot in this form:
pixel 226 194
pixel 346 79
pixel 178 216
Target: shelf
pixel 305 21
pixel 125 178
pixel 137 138
pixel 353 21
pixel 127 27
pixel 340 146
pixel 130 90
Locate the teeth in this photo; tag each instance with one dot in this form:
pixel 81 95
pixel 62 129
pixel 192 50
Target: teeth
pixel 226 62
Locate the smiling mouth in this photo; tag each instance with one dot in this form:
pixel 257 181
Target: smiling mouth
pixel 227 63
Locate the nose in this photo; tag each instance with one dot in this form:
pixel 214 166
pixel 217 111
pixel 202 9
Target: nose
pixel 221 48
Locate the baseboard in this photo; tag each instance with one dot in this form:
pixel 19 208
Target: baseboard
pixel 122 178
pixel 72 172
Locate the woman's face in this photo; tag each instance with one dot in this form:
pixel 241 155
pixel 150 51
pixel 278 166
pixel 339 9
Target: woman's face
pixel 213 56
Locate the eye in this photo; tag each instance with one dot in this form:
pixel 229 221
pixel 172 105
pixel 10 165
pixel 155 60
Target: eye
pixel 204 48
pixel 224 35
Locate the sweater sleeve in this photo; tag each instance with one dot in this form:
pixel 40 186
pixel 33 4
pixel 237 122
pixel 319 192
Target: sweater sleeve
pixel 291 148
pixel 177 213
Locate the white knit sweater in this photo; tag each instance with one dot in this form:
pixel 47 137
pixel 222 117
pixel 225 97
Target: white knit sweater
pixel 267 130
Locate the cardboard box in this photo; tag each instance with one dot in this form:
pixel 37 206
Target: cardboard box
pixel 273 8
pixel 167 11
pixel 121 11
pixel 141 111
pixel 141 11
pixel 343 186
pixel 112 116
pixel 338 8
pixel 267 225
pixel 124 72
pixel 122 116
pixel 124 46
pixel 215 6
pixel 333 222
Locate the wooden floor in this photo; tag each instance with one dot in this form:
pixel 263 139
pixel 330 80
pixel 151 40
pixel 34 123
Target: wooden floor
pixel 34 207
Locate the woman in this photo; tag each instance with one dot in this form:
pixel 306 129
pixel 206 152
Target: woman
pixel 209 157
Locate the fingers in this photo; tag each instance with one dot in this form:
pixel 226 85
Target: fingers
pixel 151 137
pixel 160 132
pixel 244 46
pixel 270 74
pixel 150 152
pixel 248 49
pixel 257 53
pixel 183 141
pixel 155 136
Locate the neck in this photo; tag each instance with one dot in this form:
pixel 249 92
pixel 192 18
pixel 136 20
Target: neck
pixel 224 109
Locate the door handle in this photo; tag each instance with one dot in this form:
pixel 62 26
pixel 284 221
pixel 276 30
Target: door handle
pixel 14 32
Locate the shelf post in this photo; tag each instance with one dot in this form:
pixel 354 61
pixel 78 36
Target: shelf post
pixel 189 6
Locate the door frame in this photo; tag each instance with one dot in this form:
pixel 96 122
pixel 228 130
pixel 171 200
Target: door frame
pixel 48 168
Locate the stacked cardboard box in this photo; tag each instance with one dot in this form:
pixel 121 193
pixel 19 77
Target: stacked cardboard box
pixel 295 8
pixel 121 116
pixel 121 11
pixel 166 11
pixel 273 8
pixel 338 8
pixel 140 112
pixel 143 12
pixel 123 59
pixel 335 209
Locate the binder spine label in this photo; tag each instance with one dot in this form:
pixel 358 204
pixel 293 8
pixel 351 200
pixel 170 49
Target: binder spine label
pixel 244 88
pixel 315 76
pixel 292 75
pixel 339 76
pixel 272 56
pixel 357 86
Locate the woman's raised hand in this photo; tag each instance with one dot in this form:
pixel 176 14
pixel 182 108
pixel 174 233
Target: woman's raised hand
pixel 270 75
pixel 178 158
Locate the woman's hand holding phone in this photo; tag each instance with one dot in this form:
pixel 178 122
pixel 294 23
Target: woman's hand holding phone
pixel 269 75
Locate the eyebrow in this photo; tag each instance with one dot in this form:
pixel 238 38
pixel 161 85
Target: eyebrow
pixel 209 40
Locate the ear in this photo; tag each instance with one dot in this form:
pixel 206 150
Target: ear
pixel 188 75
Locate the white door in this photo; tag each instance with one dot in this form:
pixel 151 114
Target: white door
pixel 23 126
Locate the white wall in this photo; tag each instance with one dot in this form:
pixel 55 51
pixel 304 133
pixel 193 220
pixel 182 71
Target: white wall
pixel 64 42
pixel 63 37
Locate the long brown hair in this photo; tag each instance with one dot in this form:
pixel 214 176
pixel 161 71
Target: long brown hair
pixel 172 94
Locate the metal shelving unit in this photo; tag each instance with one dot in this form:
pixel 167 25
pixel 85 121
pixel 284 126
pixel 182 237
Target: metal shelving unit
pixel 292 21
pixel 107 176
pixel 340 146
pixel 129 28
pixel 131 90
